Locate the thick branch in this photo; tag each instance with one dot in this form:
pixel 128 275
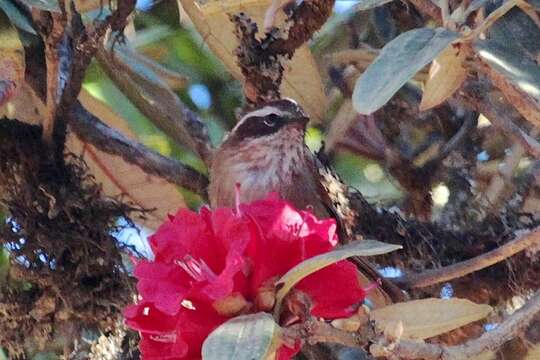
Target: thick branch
pixel 436 276
pixel 52 28
pixel 304 21
pixel 90 129
pixel 490 341
pixel 262 61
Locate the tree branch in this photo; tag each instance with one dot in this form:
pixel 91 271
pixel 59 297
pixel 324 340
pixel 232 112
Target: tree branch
pixel 428 8
pixel 58 54
pixel 69 48
pixel 480 96
pixel 489 341
pixel 262 61
pixel 313 331
pixel 90 129
pixel 525 240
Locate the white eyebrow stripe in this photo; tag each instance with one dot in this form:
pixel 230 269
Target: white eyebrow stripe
pixel 265 111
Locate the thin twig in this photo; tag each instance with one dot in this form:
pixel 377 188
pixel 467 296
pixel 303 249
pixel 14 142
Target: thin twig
pixel 313 331
pixel 468 125
pixel 489 341
pixel 524 241
pixel 90 129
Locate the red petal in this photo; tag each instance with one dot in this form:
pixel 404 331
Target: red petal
pixel 194 326
pixel 325 229
pixel 146 318
pixel 223 286
pixel 286 353
pixel 273 215
pixel 174 239
pixel 335 290
pixel 154 349
pixel 165 285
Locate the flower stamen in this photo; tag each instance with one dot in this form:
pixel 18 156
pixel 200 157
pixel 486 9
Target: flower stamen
pixel 237 198
pixel 197 269
pixel 165 338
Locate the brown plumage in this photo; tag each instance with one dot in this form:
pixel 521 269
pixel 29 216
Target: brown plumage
pixel 266 152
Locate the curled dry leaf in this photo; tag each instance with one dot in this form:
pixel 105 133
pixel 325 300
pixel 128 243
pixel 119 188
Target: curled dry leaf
pixel 301 80
pixel 11 60
pixel 119 177
pixel 422 319
pixel 446 74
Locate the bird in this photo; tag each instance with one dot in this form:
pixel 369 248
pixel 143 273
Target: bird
pixel 266 152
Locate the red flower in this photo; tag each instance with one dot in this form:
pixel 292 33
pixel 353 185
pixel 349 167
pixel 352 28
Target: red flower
pixel 212 266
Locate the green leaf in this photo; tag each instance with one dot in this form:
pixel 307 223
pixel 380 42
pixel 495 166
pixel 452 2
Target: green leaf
pixel 47 5
pixel 4 266
pixel 316 263
pixel 397 63
pixel 16 16
pixel 370 4
pixel 246 337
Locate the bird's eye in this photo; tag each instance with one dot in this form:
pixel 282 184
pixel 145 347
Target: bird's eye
pixel 271 120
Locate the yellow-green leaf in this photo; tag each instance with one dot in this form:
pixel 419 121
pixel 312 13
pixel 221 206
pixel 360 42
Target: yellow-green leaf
pixel 446 74
pixel 307 267
pixel 426 318
pixel 301 80
pixel 247 337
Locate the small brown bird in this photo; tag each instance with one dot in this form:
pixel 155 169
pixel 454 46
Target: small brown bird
pixel 265 152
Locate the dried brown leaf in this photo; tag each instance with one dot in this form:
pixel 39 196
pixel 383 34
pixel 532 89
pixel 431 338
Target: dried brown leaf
pixel 446 74
pixel 426 318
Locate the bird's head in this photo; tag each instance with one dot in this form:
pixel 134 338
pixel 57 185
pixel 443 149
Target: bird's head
pixel 274 119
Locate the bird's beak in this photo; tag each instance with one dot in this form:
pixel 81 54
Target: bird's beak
pixel 300 123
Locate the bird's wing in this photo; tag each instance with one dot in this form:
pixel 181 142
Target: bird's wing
pixel 335 195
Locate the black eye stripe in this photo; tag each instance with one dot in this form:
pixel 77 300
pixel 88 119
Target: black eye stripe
pixel 259 126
